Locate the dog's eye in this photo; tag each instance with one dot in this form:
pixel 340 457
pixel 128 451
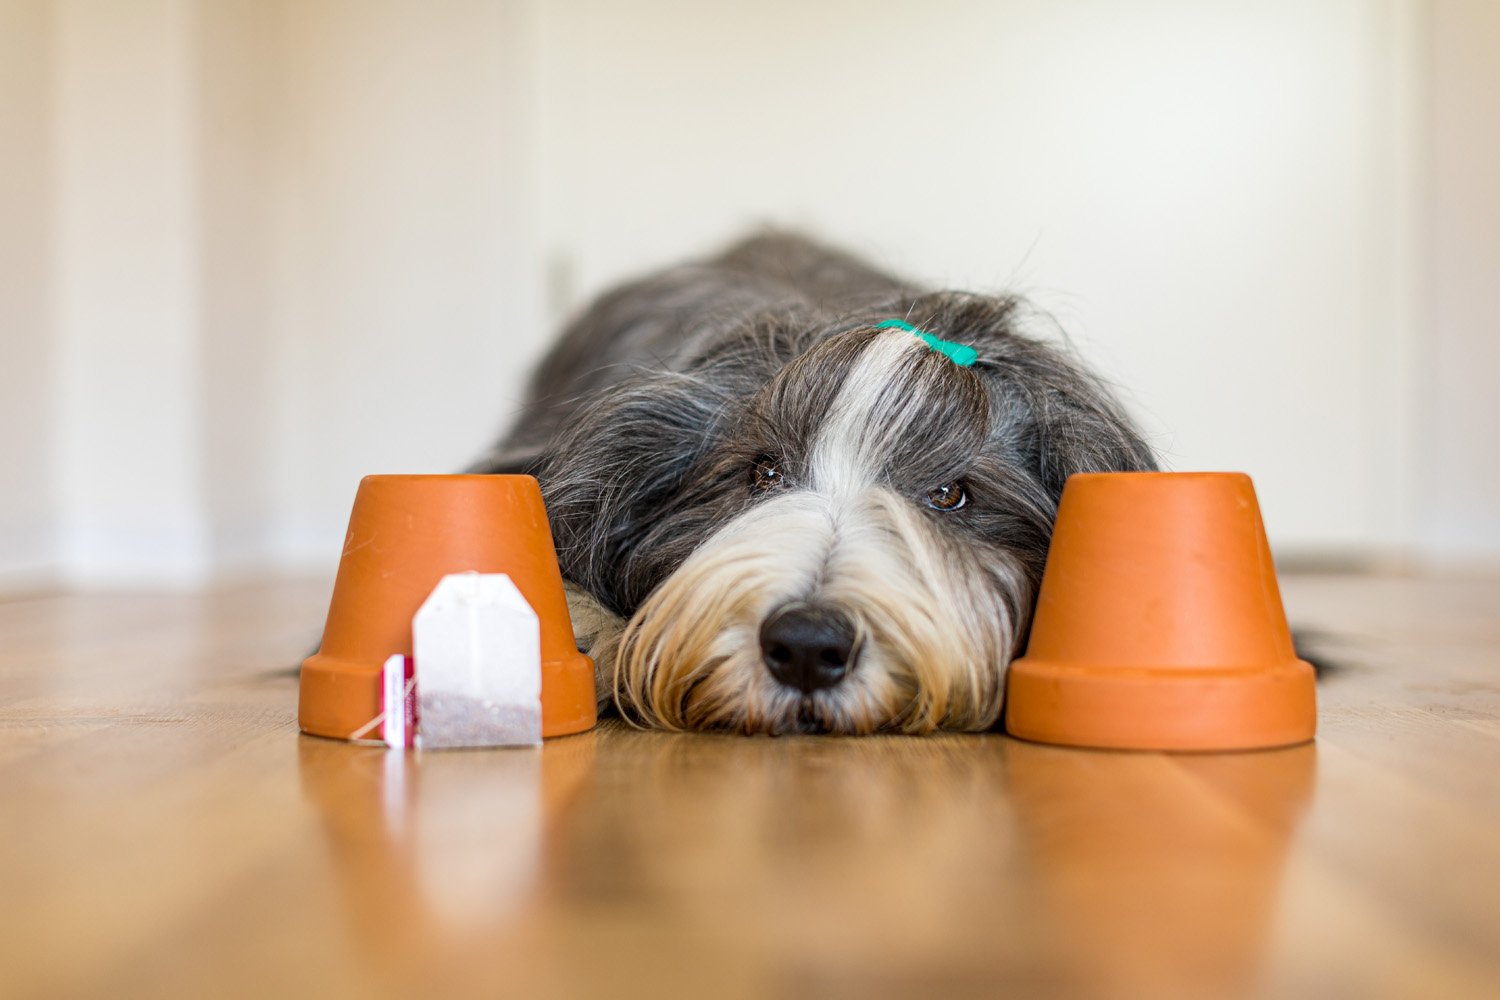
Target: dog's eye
pixel 949 496
pixel 766 474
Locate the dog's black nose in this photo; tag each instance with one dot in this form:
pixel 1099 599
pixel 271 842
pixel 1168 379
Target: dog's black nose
pixel 806 647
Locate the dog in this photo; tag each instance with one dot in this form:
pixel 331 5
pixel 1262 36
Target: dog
pixel 793 494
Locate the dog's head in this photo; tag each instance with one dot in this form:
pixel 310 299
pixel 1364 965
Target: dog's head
pixel 835 528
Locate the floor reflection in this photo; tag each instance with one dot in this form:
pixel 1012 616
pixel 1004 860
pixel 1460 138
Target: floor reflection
pixel 872 867
pixel 438 849
pixel 1160 873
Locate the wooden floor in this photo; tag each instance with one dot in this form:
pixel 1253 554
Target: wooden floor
pixel 165 831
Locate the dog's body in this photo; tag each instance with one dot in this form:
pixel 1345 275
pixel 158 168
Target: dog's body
pixel 776 514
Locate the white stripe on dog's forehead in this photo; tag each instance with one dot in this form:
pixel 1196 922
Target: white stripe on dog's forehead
pixel 849 450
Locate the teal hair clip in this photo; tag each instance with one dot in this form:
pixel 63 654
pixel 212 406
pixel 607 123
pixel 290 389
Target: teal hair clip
pixel 960 354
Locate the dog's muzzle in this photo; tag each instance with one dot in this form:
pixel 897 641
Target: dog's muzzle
pixel 808 647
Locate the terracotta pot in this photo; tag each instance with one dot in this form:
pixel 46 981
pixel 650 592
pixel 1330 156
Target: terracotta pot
pixel 405 534
pixel 1159 624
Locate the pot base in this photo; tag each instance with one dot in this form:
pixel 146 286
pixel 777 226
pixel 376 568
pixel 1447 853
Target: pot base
pixel 338 698
pixel 1162 708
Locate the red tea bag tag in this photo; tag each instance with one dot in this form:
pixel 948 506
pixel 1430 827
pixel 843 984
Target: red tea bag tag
pixel 399 684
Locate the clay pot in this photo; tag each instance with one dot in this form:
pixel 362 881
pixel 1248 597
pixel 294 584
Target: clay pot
pixel 405 534
pixel 1159 625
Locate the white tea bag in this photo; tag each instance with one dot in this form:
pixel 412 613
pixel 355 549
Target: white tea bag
pixel 477 647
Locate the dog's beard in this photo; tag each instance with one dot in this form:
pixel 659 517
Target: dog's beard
pixel 935 623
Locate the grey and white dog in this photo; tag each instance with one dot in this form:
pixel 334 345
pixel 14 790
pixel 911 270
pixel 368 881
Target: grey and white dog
pixel 776 514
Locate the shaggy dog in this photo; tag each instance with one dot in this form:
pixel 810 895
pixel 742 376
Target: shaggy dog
pixel 787 498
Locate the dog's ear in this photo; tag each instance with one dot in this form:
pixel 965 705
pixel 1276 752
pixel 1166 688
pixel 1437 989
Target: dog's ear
pixel 1079 428
pixel 1068 420
pixel 616 466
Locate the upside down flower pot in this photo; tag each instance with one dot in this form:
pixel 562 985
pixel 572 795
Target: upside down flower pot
pixel 405 534
pixel 1159 625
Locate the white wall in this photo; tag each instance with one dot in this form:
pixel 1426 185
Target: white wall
pixel 126 292
pixel 28 488
pixel 237 45
pixel 255 250
pixel 407 286
pixel 1459 480
pixel 258 250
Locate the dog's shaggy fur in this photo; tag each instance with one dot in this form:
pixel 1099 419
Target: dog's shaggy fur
pixel 776 516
